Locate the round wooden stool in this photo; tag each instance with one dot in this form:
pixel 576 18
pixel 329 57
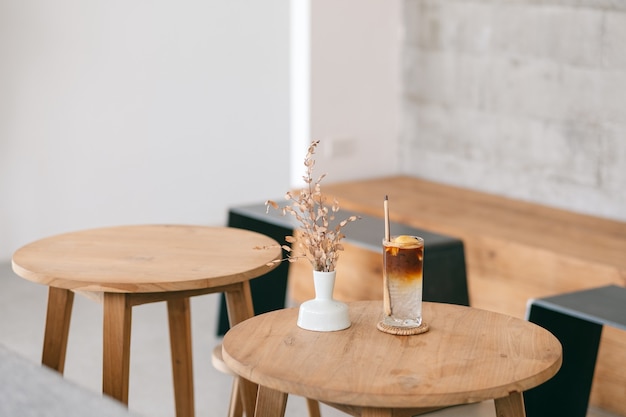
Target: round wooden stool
pixel 131 265
pixel 467 356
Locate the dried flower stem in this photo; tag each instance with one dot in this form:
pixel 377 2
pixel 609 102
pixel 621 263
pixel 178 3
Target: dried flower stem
pixel 317 241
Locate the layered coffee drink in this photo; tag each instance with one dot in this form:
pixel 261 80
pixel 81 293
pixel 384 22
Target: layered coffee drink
pixel 403 259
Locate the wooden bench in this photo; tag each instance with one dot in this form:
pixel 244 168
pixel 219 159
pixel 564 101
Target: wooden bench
pixel 515 251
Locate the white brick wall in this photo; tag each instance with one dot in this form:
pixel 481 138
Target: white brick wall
pixel 524 98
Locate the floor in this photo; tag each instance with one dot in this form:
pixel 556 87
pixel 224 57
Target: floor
pixel 22 315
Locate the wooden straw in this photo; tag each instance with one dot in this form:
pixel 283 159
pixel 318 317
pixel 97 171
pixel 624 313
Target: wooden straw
pixel 386 208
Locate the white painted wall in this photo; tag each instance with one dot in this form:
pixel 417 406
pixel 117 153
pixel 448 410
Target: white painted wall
pixel 355 87
pixel 119 112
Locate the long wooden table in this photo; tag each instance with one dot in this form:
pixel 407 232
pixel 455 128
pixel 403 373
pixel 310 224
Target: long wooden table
pixel 467 356
pixel 515 251
pixel 127 266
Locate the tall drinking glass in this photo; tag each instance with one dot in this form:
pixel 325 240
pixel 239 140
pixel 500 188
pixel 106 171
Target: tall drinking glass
pixel 403 260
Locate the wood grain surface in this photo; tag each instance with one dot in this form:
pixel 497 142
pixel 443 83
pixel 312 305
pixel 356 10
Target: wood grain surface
pixel 146 258
pixel 469 355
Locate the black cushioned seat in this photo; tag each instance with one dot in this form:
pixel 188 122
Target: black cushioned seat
pixel 576 319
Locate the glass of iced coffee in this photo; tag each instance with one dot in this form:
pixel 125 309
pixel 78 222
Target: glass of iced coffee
pixel 403 260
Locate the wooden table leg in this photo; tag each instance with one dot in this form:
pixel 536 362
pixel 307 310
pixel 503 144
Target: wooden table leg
pixel 116 345
pixel 58 317
pixel 240 308
pixel 182 367
pixel 271 403
pixel 511 406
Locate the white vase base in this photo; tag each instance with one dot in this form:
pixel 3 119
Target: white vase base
pixel 323 316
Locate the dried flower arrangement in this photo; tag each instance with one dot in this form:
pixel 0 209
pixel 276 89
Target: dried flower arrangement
pixel 317 241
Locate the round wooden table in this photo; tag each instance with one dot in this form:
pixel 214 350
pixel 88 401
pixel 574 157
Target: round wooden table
pixel 467 356
pixel 132 265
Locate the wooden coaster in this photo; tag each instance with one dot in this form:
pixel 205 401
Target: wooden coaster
pixel 402 331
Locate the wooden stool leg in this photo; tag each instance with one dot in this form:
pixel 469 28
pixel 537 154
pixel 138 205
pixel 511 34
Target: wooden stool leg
pixel 239 303
pixel 271 403
pixel 239 306
pixel 182 367
pixel 235 408
pixel 510 406
pixel 314 408
pixel 116 346
pixel 58 317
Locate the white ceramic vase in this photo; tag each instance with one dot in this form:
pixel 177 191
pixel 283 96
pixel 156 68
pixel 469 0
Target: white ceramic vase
pixel 324 314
